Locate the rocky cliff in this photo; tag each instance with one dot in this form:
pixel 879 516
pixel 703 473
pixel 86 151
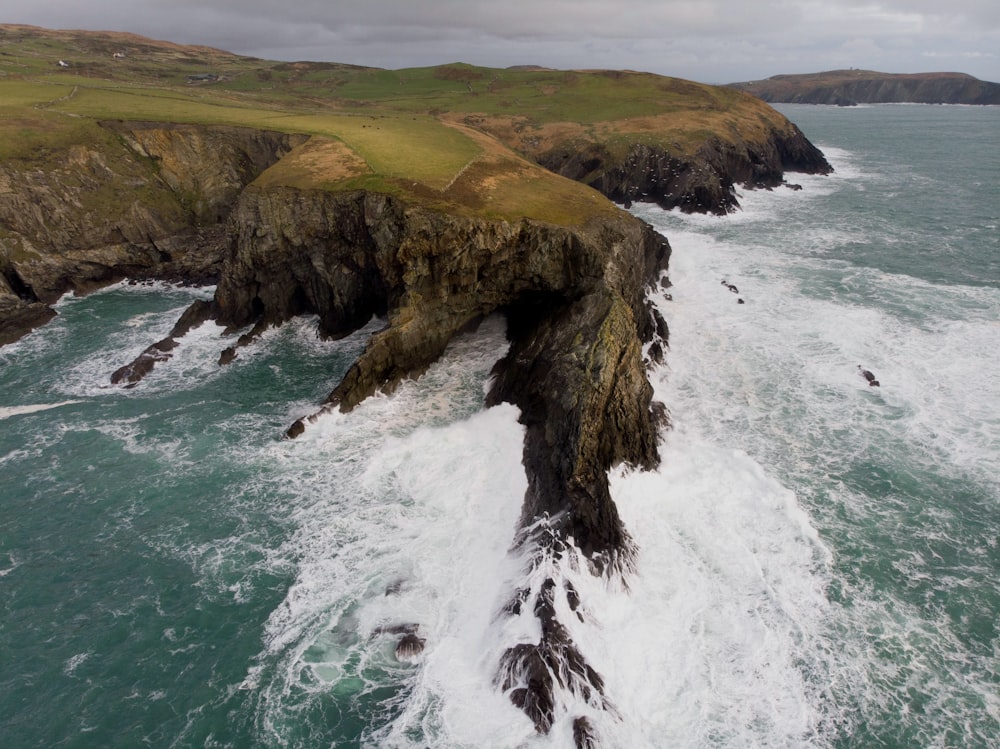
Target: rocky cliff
pixel 135 200
pixel 575 299
pixel 704 182
pixel 421 202
pixel 849 87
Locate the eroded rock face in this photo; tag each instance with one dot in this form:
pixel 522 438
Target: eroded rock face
pixel 139 201
pixel 577 376
pixel 206 167
pixel 347 257
pixel 704 183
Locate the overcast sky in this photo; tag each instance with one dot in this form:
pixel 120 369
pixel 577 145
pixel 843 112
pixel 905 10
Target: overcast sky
pixel 715 41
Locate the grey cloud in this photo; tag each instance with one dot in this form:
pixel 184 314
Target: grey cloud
pixel 712 40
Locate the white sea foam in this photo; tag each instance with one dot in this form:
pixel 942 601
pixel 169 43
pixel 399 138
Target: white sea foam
pixel 73 663
pixel 720 640
pixel 814 320
pixel 776 378
pixel 7 412
pixel 715 642
pixel 405 509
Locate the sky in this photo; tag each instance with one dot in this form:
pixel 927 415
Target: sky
pixel 712 41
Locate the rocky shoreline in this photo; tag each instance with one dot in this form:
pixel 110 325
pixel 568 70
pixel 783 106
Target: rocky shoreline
pixel 575 298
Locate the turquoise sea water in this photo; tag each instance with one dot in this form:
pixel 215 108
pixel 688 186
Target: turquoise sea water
pixel 819 559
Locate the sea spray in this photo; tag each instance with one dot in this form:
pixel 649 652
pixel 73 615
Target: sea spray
pixel 898 481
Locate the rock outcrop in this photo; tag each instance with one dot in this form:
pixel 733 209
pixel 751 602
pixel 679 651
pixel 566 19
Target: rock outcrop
pixel 575 300
pixel 349 256
pixel 703 183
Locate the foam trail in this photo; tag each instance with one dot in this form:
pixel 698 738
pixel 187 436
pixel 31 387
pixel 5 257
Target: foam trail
pixel 7 412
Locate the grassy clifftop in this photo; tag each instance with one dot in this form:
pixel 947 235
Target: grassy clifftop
pixel 460 137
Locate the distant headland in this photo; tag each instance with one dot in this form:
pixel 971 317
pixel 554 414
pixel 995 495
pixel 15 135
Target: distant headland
pixel 852 87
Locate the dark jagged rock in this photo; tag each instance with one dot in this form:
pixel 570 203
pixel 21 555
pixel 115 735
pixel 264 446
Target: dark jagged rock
pixel 584 735
pixel 193 316
pixel 230 353
pixel 572 597
pixel 409 647
pixel 18 316
pixel 577 377
pixel 531 673
pixel 872 382
pixel 661 417
pixel 517 601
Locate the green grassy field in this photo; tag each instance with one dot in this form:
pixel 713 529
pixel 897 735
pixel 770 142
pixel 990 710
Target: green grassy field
pixel 404 131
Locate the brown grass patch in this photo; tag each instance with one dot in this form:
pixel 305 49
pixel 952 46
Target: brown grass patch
pixel 319 162
pixel 503 184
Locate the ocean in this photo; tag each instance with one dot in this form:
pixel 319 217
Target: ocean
pixel 818 558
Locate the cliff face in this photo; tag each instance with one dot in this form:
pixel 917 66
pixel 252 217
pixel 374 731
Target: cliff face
pixel 849 87
pixel 575 299
pixel 349 256
pixel 139 200
pixel 702 183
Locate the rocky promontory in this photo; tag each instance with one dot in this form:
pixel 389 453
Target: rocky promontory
pixel 575 298
pixel 704 182
pixel 575 301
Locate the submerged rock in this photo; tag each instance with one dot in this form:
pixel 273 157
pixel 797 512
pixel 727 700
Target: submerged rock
pixel 409 647
pixel 584 735
pixel 132 373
